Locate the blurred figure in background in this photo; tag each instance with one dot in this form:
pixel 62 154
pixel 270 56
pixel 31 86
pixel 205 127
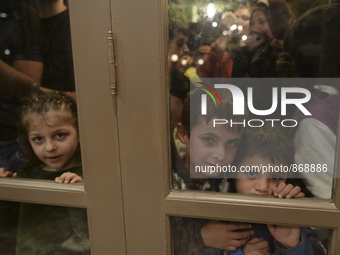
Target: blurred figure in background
pixel 179 83
pixel 20 74
pixel 243 14
pixel 58 73
pixel 269 23
pixel 312 51
pixel 218 62
pixel 178 48
pixel 179 88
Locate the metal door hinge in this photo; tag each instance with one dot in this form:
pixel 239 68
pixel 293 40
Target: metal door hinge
pixel 112 62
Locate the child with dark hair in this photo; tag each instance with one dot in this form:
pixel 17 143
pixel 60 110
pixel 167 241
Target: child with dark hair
pixel 49 136
pixel 264 147
pixel 51 110
pixel 206 145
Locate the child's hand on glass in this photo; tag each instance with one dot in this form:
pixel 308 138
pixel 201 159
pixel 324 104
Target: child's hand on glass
pixel 288 236
pixel 69 177
pixel 224 235
pixel 4 173
pixel 256 246
pixel 287 191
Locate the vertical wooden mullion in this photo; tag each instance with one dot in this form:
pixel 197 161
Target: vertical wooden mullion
pixel 90 23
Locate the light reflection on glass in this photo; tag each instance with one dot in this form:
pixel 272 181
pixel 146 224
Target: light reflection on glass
pixel 211 10
pixel 174 58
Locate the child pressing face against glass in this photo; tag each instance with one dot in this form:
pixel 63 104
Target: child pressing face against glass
pixel 267 183
pixel 54 140
pixel 261 184
pixel 49 138
pixel 209 145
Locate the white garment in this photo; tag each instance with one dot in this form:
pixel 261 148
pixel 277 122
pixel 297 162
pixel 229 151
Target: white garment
pixel 315 144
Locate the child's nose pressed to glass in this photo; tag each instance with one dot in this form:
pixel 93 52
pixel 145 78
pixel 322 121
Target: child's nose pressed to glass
pixel 260 184
pixel 264 183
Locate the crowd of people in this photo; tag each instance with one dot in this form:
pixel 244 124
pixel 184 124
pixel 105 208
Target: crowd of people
pixel 257 43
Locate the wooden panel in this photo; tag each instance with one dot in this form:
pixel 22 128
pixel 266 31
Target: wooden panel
pixel 42 192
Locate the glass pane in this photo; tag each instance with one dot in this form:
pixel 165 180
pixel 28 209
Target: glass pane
pixel 252 65
pixel 35 57
pixel 42 229
pixel 211 237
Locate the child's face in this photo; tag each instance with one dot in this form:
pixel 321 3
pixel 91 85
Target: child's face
pixel 55 142
pixel 212 145
pixel 258 183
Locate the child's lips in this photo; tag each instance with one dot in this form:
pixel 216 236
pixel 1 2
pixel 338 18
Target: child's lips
pixel 54 158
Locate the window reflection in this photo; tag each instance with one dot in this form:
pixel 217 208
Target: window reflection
pixel 253 40
pixel 57 53
pixel 42 229
pixel 35 57
pixel 38 110
pixel 21 68
pixel 49 138
pixel 208 237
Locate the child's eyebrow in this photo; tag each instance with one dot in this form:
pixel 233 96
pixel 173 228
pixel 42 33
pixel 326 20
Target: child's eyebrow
pixel 210 134
pixel 61 130
pixel 32 135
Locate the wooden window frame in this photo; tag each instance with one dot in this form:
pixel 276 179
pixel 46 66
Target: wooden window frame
pixel 125 142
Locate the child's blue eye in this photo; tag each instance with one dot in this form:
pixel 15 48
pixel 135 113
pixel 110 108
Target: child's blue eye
pixel 208 139
pixel 276 177
pixel 251 174
pixel 233 143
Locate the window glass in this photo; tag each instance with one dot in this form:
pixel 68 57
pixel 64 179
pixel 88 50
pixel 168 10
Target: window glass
pixel 39 127
pixel 36 58
pixel 263 94
pixel 207 237
pixel 43 229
